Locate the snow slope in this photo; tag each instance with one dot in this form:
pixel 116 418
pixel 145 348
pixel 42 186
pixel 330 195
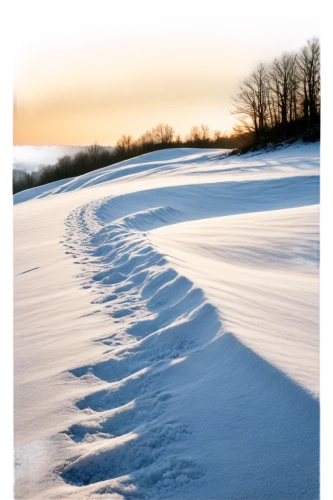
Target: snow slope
pixel 166 329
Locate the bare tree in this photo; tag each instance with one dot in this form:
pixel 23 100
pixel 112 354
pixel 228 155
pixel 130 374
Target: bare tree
pixel 124 144
pixel 217 134
pixel 194 134
pixel 283 86
pixel 250 103
pixel 309 67
pixel 63 166
pixel 146 138
pixel 204 132
pixel 199 134
pixel 163 134
pixel 95 150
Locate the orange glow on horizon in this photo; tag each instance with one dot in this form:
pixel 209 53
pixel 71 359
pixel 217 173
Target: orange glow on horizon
pixel 102 79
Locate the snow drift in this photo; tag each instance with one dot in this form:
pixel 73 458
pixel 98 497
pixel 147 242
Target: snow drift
pixel 166 329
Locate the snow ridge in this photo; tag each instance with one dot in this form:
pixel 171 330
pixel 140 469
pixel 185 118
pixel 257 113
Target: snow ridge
pixel 128 422
pixel 127 438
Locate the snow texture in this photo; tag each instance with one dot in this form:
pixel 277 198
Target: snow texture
pixel 166 329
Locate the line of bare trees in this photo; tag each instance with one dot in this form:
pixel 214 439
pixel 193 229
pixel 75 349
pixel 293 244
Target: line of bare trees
pixel 282 100
pixel 160 137
pixel 163 136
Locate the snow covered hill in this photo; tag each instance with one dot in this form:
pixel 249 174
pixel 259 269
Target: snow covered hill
pixel 166 329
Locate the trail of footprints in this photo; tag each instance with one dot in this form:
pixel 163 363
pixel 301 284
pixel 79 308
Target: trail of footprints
pixel 128 427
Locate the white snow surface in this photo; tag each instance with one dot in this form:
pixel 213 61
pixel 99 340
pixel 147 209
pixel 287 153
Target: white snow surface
pixel 167 329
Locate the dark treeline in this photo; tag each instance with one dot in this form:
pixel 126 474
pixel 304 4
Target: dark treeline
pixel 276 103
pixel 24 180
pixel 160 137
pixel 281 101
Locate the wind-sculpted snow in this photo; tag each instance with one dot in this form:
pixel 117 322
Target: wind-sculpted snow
pixel 133 427
pixel 188 162
pixel 167 398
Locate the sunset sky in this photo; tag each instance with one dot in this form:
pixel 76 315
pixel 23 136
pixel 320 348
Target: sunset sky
pixel 92 71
